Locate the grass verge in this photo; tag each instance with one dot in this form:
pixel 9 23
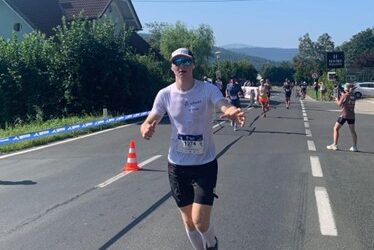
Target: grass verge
pixel 55 123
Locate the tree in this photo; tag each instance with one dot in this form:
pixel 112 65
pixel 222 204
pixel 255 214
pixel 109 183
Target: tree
pixel 155 32
pixel 359 51
pixel 277 74
pixel 312 56
pixel 200 41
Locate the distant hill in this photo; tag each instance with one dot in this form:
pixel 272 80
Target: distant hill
pixel 274 54
pixel 230 55
pixel 236 46
pixel 233 52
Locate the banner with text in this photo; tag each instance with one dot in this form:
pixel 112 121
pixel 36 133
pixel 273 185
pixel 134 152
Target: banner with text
pixel 69 128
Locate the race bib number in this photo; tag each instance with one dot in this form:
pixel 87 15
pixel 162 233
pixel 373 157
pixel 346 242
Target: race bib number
pixel 190 144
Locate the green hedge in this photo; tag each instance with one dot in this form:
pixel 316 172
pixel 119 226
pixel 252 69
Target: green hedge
pixel 85 66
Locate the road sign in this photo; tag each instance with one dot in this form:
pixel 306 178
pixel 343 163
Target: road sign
pixel 331 76
pixel 335 60
pixel 315 75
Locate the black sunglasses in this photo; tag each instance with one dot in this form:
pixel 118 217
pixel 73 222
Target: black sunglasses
pixel 182 61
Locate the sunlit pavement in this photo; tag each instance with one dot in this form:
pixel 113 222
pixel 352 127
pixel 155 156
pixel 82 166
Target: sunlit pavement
pixel 363 105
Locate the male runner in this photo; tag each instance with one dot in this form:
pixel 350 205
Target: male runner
pixel 192 159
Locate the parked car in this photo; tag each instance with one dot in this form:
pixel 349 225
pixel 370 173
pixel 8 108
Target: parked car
pixel 363 89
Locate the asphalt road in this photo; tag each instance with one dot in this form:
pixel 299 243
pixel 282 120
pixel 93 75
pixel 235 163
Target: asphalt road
pixel 278 187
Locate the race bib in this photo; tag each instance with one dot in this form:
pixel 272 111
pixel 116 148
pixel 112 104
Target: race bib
pixel 190 144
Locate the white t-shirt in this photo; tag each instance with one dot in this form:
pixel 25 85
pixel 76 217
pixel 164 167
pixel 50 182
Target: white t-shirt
pixel 190 114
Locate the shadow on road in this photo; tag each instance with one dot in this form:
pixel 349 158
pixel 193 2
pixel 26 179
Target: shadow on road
pixel 287 117
pixel 151 170
pixel 278 132
pixel 135 222
pixel 25 182
pixel 362 152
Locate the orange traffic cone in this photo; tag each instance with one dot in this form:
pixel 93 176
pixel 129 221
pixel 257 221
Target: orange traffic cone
pixel 132 164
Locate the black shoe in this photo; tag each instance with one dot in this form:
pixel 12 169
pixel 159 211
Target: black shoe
pixel 215 246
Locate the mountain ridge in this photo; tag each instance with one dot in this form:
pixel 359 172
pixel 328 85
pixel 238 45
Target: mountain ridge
pixel 272 54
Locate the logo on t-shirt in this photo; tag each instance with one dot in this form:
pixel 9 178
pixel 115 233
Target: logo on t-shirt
pixel 192 106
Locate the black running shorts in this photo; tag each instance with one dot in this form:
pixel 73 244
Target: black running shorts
pixel 193 184
pixel 342 120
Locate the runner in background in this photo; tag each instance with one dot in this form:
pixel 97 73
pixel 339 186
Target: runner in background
pixel 262 97
pixel 233 93
pixel 287 92
pixel 268 85
pixel 303 88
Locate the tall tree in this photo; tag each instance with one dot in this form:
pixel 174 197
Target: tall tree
pixel 200 41
pixel 312 56
pixel 359 51
pixel 277 74
pixel 155 32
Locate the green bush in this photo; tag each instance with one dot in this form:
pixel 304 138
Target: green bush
pixel 85 66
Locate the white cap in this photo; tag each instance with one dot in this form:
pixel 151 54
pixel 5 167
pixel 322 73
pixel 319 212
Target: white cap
pixel 181 52
pixel 348 86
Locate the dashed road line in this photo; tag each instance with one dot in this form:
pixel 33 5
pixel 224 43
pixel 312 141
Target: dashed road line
pixel 316 166
pixel 325 214
pixel 308 132
pixel 311 145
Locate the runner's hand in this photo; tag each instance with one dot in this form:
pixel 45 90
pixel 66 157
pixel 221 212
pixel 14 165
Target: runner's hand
pixel 235 114
pixel 147 129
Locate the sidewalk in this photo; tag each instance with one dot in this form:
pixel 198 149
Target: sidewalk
pixel 365 106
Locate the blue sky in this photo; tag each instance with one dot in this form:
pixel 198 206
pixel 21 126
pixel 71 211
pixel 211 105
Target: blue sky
pixel 264 23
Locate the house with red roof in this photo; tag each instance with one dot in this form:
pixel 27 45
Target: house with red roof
pixel 25 16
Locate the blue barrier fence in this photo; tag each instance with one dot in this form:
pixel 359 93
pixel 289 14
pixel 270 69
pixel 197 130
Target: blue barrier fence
pixel 69 128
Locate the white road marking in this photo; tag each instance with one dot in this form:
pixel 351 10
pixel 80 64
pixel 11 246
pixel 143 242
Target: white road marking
pixel 305 119
pixel 325 215
pixel 311 146
pixel 306 124
pixel 123 174
pixel 316 166
pixel 219 124
pixel 62 142
pixel 308 132
pixel 304 114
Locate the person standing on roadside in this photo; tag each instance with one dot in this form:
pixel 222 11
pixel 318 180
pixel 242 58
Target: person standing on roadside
pixel 322 90
pixel 347 104
pixel 316 89
pixel 233 93
pixel 219 84
pixel 335 92
pixel 192 162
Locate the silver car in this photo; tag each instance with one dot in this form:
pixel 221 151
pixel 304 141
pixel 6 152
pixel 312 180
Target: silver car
pixel 363 89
